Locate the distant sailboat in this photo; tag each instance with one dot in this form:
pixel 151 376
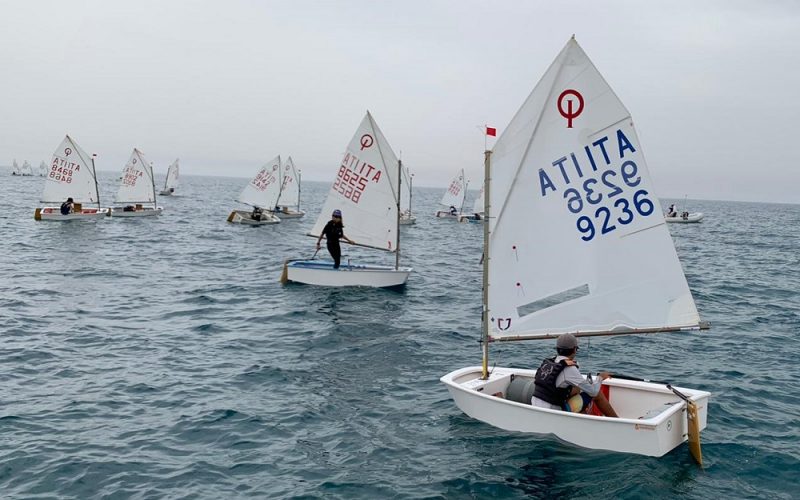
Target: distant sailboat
pixel 366 191
pixel 575 242
pixel 15 168
pixel 407 217
pixel 477 211
pixel 171 182
pixel 42 169
pixel 262 194
pixel 288 205
pixel 454 197
pixel 27 170
pixel 136 196
pixel 72 175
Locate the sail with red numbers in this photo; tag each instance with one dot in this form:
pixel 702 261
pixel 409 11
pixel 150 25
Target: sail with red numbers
pixel 575 242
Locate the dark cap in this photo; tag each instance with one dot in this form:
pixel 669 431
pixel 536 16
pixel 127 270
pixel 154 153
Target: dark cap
pixel 566 341
pixel 337 213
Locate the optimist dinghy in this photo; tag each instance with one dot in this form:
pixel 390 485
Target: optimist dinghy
pixel 366 190
pixel 477 211
pixel 575 243
pixel 136 196
pixel 171 182
pixel 15 168
pixel 407 217
pixel 262 194
pixel 27 170
pixel 43 169
pixel 454 197
pixel 288 206
pixel 71 175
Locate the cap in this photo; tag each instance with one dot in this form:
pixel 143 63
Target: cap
pixel 337 213
pixel 566 341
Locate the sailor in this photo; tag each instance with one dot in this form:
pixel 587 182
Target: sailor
pixel 453 210
pixel 67 207
pixel 333 232
pixel 256 215
pixel 559 384
pixel 671 212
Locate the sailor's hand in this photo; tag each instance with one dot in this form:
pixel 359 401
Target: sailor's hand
pixel 604 375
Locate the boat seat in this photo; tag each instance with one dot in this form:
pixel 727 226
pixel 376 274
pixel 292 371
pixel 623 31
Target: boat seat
pixel 520 389
pixel 656 411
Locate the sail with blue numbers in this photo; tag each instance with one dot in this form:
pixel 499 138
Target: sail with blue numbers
pixel 578 243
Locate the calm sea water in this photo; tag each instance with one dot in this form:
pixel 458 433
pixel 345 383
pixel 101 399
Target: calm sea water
pixel 161 358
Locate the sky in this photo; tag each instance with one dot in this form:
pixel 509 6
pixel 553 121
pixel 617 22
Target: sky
pixel 227 85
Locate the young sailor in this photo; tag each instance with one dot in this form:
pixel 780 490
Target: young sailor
pixel 559 384
pixel 333 231
pixel 67 207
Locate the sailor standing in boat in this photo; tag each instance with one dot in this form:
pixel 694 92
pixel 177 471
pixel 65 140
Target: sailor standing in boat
pixel 559 384
pixel 333 231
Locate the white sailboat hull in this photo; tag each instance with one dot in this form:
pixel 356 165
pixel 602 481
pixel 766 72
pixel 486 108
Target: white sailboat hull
pixel 693 217
pixel 290 214
pixel 652 418
pixel 470 218
pixel 243 217
pixel 54 213
pixel 166 192
pixel 407 220
pixel 139 212
pixel 445 214
pixel 322 273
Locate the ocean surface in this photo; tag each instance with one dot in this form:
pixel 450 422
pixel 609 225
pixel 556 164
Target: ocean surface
pixel 161 358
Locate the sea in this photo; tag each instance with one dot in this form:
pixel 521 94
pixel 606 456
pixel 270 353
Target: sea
pixel 161 358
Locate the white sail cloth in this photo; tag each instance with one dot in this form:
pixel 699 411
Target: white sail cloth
pixel 578 242
pixel 71 175
pixel 456 191
pixel 137 184
pixel 364 190
pixel 173 176
pixel 478 207
pixel 405 191
pixel 265 188
pixel 290 185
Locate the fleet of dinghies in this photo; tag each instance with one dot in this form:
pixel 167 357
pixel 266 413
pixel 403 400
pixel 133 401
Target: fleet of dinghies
pixel 367 191
pixel 454 197
pixel 588 257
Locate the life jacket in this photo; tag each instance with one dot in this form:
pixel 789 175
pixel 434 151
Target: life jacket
pixel 545 382
pixel 65 208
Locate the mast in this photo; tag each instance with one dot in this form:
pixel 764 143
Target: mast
pixel 153 183
pixel 397 226
pixel 298 189
pixel 485 316
pixel 464 184
pixel 410 191
pixel 94 174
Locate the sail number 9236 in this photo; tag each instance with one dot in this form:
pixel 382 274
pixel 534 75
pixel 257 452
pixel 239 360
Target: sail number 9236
pixel 617 210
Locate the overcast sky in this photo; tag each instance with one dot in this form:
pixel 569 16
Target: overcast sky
pixel 227 85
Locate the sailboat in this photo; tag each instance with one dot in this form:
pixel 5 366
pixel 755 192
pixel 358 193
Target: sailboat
pixel 42 169
pixel 15 168
pixel 27 170
pixel 407 217
pixel 262 194
pixel 454 197
pixel 171 182
pixel 366 190
pixel 477 210
pixel 136 196
pixel 288 205
pixel 575 243
pixel 72 175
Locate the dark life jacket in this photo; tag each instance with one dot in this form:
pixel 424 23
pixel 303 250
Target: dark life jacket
pixel 545 382
pixel 65 208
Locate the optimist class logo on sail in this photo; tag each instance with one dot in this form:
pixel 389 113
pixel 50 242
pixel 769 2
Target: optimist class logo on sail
pixel 600 184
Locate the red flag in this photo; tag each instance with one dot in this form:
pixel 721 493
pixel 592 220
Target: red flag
pixel 491 131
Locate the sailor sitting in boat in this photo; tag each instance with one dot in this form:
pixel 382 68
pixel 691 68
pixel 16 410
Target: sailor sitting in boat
pixel 67 207
pixel 685 215
pixel 671 212
pixel 559 384
pixel 453 210
pixel 257 212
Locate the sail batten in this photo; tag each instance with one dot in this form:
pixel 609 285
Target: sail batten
pixel 576 211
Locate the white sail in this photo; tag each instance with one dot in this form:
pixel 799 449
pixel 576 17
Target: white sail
pixel 136 185
pixel 26 168
pixel 290 191
pixel 364 190
pixel 578 242
pixel 15 168
pixel 71 175
pixel 173 174
pixel 477 207
pixel 264 189
pixel 405 191
pixel 42 169
pixel 454 196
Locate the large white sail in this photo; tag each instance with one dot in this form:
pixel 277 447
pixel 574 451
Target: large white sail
pixel 454 196
pixel 136 185
pixel 71 175
pixel 173 174
pixel 477 207
pixel 578 242
pixel 264 189
pixel 290 191
pixel 364 190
